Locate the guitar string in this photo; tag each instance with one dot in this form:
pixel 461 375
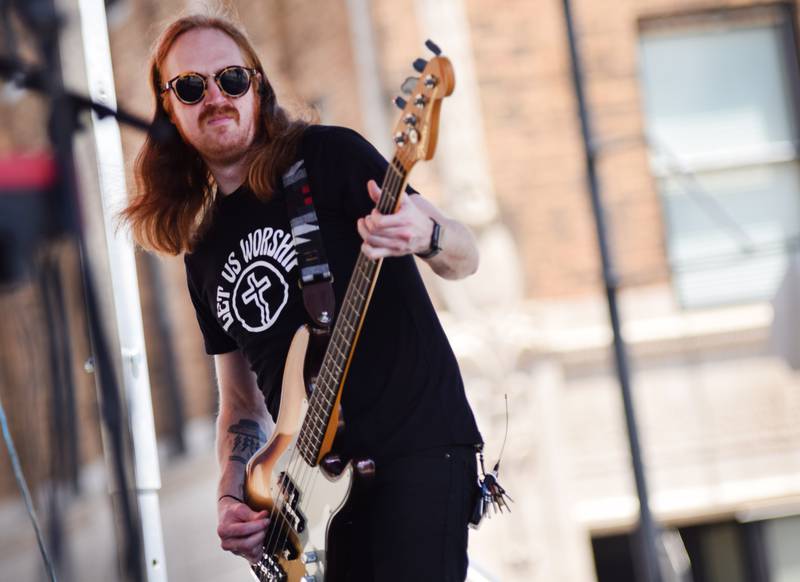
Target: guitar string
pixel 339 361
pixel 318 405
pixel 292 471
pixel 325 399
pixel 306 474
pixel 295 459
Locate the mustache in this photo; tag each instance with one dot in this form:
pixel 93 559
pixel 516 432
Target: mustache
pixel 216 110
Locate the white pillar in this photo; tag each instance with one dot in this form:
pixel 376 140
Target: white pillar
pixel 569 554
pixel 373 107
pixel 462 158
pixel 124 284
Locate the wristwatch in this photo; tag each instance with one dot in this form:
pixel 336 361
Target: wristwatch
pixel 434 247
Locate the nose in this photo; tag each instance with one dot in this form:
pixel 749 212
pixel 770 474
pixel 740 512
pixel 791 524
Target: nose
pixel 213 94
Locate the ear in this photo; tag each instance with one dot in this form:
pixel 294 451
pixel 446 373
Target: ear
pixel 167 105
pixel 262 85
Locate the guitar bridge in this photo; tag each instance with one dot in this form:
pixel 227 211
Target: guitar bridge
pixel 268 569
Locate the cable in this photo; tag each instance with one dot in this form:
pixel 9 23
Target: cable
pixel 23 487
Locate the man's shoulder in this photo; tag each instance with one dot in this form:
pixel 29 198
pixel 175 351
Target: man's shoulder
pixel 323 137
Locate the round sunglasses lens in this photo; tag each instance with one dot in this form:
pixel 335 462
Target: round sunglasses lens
pixel 235 81
pixel 190 88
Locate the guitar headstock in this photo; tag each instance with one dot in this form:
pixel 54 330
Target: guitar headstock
pixel 417 129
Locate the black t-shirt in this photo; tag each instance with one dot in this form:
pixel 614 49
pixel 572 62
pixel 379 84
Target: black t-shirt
pixel 404 391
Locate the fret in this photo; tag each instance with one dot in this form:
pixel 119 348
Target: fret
pixel 317 412
pixel 332 366
pixel 309 456
pixel 358 293
pixel 304 447
pixel 353 307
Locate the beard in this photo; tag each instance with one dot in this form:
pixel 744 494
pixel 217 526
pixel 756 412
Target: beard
pixel 225 144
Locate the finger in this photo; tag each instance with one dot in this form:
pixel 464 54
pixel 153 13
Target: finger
pixel 402 233
pixel 361 226
pixel 241 529
pixel 249 547
pixel 373 190
pixel 394 244
pixel 375 220
pixel 376 253
pixel 242 512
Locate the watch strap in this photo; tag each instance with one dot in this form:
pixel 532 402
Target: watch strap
pixel 434 247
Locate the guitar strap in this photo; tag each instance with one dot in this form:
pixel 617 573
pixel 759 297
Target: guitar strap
pixel 315 273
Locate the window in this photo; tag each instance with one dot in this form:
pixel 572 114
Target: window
pixel 726 551
pixel 719 94
pixel 781 537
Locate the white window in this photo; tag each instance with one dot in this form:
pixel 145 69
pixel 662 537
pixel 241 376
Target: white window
pixel 781 539
pixel 719 95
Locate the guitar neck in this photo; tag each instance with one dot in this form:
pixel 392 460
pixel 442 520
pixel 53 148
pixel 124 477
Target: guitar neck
pixel 345 333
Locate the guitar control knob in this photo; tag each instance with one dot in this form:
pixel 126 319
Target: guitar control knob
pixel 309 557
pixel 430 81
pixel 400 102
pixel 413 135
pixel 420 100
pixel 399 138
pixel 410 119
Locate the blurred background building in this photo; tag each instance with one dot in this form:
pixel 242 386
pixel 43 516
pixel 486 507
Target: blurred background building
pixel 694 104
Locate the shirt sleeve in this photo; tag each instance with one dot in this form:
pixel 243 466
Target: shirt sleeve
pixel 359 161
pixel 214 337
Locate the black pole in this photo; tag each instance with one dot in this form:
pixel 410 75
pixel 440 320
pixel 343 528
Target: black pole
pixel 648 555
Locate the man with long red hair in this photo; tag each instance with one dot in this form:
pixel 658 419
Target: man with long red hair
pixel 212 190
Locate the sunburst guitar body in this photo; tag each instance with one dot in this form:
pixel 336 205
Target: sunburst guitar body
pixel 302 499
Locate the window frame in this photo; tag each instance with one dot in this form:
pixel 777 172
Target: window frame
pixel 783 17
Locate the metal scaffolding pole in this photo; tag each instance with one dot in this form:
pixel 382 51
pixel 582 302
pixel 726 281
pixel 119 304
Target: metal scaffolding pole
pixel 124 288
pixel 647 538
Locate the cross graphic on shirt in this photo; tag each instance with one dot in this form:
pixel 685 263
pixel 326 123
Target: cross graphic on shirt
pixel 255 294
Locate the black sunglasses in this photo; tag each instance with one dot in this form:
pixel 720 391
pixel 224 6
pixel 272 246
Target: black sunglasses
pixel 190 88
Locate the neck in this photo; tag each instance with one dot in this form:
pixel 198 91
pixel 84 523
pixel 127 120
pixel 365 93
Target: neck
pixel 229 175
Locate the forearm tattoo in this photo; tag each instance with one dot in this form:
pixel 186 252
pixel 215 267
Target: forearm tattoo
pixel 248 439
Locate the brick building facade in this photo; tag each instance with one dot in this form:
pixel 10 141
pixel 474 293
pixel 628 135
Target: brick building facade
pixel 718 411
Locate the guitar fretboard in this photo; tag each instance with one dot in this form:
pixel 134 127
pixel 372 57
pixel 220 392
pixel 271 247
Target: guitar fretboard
pixel 345 332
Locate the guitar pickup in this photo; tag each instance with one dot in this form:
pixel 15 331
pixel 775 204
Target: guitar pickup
pixel 289 508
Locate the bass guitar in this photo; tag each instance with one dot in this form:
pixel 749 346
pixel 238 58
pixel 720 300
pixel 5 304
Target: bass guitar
pixel 289 475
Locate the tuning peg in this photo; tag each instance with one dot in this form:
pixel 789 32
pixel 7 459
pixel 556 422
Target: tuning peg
pixel 400 102
pixel 408 85
pixel 419 65
pixel 433 47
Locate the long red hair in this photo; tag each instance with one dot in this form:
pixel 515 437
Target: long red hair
pixel 174 187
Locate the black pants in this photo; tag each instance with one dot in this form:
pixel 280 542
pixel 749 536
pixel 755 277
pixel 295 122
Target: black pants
pixel 410 522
